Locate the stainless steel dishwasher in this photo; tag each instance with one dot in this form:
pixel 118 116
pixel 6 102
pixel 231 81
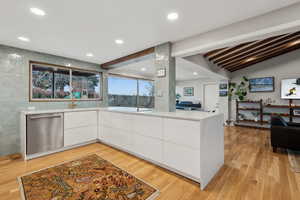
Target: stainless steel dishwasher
pixel 44 133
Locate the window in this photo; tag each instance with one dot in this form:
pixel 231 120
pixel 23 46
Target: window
pixel 146 94
pixel 130 92
pixel 122 92
pixel 86 85
pixel 50 83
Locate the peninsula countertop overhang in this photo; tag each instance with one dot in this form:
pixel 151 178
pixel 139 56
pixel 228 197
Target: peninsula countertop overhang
pixel 185 115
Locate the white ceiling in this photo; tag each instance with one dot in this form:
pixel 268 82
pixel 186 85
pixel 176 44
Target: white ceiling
pixel 73 28
pixel 184 70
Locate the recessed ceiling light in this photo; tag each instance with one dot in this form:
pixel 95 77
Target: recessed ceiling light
pixel 173 16
pixel 68 65
pixel 89 55
pixel 24 39
pixel 119 41
pixel 15 56
pixel 143 69
pixel 37 11
pixel 195 73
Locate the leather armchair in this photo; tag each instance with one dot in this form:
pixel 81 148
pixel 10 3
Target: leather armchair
pixel 284 135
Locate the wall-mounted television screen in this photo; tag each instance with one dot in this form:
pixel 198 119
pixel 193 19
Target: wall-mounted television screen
pixel 265 84
pixel 290 89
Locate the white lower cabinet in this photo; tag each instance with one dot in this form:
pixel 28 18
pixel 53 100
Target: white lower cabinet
pixel 182 158
pixel 80 135
pixel 117 137
pixel 182 132
pixel 148 147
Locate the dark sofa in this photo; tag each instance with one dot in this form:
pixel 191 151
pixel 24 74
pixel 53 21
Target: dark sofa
pixel 187 105
pixel 284 135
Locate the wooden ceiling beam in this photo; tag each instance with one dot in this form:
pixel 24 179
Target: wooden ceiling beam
pixel 265 56
pixel 254 53
pixel 226 50
pixel 254 46
pixel 210 53
pixel 127 58
pixel 217 53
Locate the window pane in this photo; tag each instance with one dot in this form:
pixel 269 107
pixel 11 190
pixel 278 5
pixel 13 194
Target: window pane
pixel 146 94
pixel 62 88
pixel 50 82
pixel 86 85
pixel 42 80
pixel 122 92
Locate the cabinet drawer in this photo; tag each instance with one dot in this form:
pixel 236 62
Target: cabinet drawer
pixel 80 119
pixel 148 126
pixel 80 135
pixel 147 147
pixel 116 120
pixel 182 132
pixel 182 158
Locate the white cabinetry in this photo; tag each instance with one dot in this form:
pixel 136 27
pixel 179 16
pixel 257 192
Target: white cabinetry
pixel 116 129
pixel 80 127
pixel 192 148
pixel 182 146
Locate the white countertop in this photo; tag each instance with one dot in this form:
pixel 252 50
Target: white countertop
pixel 180 114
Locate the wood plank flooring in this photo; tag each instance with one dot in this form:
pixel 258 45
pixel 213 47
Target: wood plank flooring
pixel 251 171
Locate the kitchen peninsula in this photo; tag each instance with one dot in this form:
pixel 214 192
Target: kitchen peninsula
pixel 188 143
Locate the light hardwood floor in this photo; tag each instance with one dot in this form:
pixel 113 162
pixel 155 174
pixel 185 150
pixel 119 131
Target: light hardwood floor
pixel 251 171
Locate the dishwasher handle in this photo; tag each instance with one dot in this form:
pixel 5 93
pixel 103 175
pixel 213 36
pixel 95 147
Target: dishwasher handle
pixel 45 116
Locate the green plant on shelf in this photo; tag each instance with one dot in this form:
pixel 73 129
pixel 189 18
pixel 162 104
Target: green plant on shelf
pixel 239 91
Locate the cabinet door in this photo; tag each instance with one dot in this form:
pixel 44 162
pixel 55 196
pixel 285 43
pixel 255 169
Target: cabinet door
pixel 116 120
pixel 150 148
pixel 183 159
pixel 182 132
pixel 148 126
pixel 117 137
pixel 80 135
pixel 80 119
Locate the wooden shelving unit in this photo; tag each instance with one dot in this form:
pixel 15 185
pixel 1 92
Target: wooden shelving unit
pixel 255 106
pixel 260 108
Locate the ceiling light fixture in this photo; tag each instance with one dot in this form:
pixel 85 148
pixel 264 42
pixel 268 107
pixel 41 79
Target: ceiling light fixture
pixel 68 65
pixel 90 55
pixel 195 73
pixel 37 11
pixel 143 69
pixel 24 39
pixel 119 41
pixel 15 56
pixel 173 16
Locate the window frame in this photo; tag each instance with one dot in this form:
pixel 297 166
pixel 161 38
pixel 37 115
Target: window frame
pixel 31 99
pixel 133 78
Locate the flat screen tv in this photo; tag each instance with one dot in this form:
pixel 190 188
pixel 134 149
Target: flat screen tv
pixel 290 88
pixel 265 84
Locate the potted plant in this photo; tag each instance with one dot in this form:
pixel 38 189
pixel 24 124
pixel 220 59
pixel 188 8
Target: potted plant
pixel 239 91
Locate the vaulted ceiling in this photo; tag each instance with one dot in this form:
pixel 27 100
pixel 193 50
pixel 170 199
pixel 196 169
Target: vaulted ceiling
pixel 244 55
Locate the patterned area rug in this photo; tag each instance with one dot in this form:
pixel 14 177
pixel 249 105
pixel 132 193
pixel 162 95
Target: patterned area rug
pixel 88 178
pixel 294 158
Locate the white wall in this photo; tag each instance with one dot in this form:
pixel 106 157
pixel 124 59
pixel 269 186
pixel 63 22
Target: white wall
pixel 199 93
pixel 198 90
pixel 282 67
